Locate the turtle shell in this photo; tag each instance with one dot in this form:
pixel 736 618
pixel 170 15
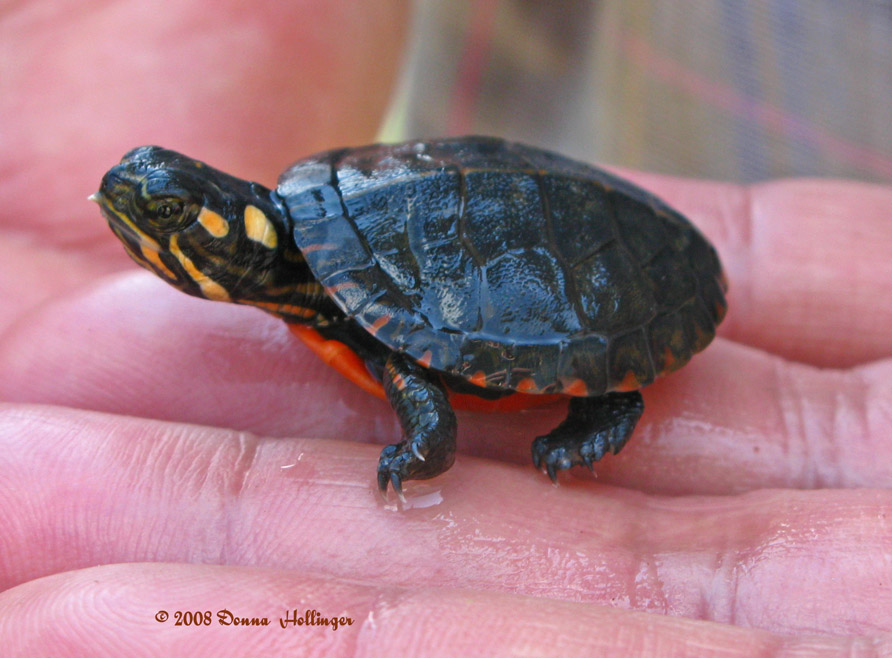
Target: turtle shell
pixel 512 267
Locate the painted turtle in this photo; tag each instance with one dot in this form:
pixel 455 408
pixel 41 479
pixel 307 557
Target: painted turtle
pixel 468 271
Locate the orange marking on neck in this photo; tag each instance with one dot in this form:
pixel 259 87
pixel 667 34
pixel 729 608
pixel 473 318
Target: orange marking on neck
pixel 577 388
pixel 527 385
pixel 425 359
pixel 377 324
pixel 629 383
pixel 286 309
pixel 338 287
pixel 326 246
pixel 478 378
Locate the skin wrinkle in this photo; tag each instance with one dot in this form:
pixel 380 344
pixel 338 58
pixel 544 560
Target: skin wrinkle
pixel 637 535
pixel 878 409
pixel 811 451
pixel 649 526
pixel 221 478
pixel 863 399
pixel 795 446
pixel 820 415
pixel 239 473
pixel 833 463
pixel 719 602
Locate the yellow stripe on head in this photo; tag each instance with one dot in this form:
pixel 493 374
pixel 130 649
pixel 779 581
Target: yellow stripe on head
pixel 259 228
pixel 144 239
pixel 148 248
pixel 155 259
pixel 209 288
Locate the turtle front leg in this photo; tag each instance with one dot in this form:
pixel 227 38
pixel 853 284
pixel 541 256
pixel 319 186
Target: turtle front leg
pixel 428 423
pixel 593 427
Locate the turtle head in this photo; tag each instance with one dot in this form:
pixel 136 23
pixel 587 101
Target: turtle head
pixel 203 231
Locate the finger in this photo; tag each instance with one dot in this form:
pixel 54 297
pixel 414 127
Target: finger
pixel 182 359
pixel 807 260
pixel 81 489
pixel 733 419
pixel 115 608
pixel 248 88
pixel 32 275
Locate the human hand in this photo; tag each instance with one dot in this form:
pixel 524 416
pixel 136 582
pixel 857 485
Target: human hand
pixel 752 494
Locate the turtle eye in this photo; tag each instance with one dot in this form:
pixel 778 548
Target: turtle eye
pixel 167 210
pixel 167 214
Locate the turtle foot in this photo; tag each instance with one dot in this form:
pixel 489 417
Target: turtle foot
pixel 428 423
pixel 410 460
pixel 593 427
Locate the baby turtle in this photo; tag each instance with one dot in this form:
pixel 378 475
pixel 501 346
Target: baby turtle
pixel 451 272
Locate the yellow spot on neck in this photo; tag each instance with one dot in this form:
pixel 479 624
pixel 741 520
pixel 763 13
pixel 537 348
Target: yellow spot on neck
pixel 209 288
pixel 259 228
pixel 213 223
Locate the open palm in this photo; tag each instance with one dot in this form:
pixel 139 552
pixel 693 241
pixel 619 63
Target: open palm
pixel 163 453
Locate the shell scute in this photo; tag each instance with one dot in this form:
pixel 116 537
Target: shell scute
pixel 505 264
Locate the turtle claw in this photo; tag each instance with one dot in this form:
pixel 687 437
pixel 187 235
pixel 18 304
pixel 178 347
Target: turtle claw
pixel 397 484
pixel 406 461
pixel 537 456
pixel 393 479
pixel 552 473
pixel 417 451
pixel 559 453
pixel 382 483
pixel 552 456
pixel 593 428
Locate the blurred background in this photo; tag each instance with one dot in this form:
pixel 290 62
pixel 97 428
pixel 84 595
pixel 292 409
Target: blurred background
pixel 720 89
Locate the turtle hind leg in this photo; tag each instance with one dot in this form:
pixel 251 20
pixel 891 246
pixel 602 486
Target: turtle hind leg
pixel 428 422
pixel 593 427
